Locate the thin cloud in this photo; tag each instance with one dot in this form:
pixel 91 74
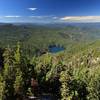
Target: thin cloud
pixel 81 18
pixel 40 17
pixel 1 17
pixel 54 17
pixel 11 16
pixel 32 9
pixel 36 16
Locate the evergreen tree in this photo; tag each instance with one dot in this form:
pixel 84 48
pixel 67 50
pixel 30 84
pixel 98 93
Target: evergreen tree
pixel 17 54
pixel 18 84
pixel 2 88
pixel 9 72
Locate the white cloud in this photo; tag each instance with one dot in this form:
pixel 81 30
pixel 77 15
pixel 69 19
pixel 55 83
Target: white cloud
pixel 54 17
pixel 37 16
pixel 11 16
pixel 40 17
pixel 32 9
pixel 81 18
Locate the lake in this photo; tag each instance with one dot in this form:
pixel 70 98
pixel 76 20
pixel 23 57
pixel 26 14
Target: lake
pixel 55 49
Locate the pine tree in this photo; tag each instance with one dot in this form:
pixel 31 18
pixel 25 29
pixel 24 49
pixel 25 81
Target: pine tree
pixel 17 54
pixel 8 63
pixel 2 88
pixel 18 84
pixel 8 72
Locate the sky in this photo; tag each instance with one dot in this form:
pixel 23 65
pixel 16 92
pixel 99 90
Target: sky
pixel 45 11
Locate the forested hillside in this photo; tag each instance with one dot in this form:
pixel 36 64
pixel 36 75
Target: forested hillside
pixel 38 37
pixel 29 70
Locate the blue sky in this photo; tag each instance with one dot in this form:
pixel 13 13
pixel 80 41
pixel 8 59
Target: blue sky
pixel 49 11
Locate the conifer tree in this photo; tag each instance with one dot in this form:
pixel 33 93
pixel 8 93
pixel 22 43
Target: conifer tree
pixel 8 72
pixel 2 88
pixel 17 54
pixel 18 84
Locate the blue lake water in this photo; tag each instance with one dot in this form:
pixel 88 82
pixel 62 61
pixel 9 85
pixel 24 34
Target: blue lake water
pixel 55 49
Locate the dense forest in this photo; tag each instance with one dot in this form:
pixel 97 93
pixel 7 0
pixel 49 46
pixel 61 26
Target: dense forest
pixel 29 71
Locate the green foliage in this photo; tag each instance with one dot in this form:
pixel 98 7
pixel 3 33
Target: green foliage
pixel 8 72
pixel 8 62
pixel 2 88
pixel 65 92
pixel 17 53
pixel 29 92
pixel 75 76
pixel 18 84
pixel 43 65
pixel 72 75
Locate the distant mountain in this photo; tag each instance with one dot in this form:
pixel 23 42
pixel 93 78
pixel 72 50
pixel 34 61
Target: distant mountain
pixel 41 35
